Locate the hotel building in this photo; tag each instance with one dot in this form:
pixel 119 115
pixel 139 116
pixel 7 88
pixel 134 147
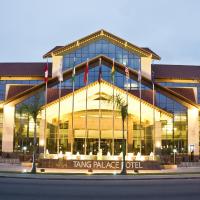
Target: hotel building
pixel 163 105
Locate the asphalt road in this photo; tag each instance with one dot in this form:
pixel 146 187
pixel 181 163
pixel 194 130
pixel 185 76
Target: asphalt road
pixel 40 189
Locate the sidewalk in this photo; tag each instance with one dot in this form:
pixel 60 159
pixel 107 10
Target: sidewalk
pixel 18 171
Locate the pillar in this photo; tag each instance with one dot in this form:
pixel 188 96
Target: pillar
pixel 70 135
pixel 130 135
pixel 157 137
pixel 146 66
pixel 8 128
pixel 42 135
pixel 193 131
pixel 56 65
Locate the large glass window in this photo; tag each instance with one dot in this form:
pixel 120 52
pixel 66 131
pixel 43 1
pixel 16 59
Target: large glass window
pixel 103 47
pixel 24 124
pixel 174 134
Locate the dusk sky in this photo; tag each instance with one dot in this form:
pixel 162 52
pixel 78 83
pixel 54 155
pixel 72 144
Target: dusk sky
pixel 30 28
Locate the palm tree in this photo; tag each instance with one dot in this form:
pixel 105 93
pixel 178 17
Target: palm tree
pixel 123 107
pixel 19 136
pixel 32 109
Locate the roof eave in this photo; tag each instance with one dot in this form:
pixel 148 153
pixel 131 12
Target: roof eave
pixel 102 34
pixel 186 102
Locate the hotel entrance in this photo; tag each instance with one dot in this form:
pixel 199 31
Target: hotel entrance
pixel 92 146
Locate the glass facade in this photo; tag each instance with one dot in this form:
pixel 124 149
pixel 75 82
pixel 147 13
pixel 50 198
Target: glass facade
pixel 120 79
pixel 101 47
pixel 174 133
pixel 24 123
pixel 59 133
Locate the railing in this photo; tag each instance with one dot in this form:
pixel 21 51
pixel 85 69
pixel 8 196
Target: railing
pixel 9 161
pixel 189 164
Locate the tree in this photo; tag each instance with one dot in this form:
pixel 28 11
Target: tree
pixel 123 108
pixel 32 108
pixel 19 132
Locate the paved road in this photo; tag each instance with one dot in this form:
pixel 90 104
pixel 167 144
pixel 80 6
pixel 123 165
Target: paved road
pixel 42 189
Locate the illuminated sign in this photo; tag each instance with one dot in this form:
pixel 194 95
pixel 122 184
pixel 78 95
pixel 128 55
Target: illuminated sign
pixel 97 164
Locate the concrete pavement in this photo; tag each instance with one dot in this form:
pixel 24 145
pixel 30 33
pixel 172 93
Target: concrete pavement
pixel 19 171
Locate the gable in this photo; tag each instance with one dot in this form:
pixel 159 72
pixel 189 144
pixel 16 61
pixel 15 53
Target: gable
pixel 102 34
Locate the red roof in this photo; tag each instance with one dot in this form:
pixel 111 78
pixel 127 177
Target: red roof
pixel 186 92
pixel 16 89
pixel 146 95
pixel 53 94
pixel 24 69
pixel 184 72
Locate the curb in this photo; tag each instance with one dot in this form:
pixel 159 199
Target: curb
pixel 100 178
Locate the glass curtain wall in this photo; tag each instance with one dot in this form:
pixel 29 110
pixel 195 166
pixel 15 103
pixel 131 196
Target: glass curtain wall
pixel 24 124
pixel 174 134
pixel 99 47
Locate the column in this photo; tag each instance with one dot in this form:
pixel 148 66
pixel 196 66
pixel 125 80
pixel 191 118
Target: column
pixel 42 133
pixel 193 131
pixel 70 134
pixel 157 141
pixel 130 135
pixel 8 128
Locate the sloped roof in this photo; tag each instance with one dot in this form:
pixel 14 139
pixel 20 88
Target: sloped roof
pixel 186 92
pixel 16 89
pixel 30 69
pixel 52 50
pixel 108 62
pixel 179 72
pixel 102 34
pixel 150 51
pixel 53 94
pixel 145 98
pixel 146 95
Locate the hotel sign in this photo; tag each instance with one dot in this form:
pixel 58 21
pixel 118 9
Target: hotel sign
pixel 98 164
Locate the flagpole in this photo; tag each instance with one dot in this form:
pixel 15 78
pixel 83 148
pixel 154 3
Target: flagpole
pixel 154 139
pixel 113 114
pixel 140 93
pixel 86 96
pixel 127 78
pixel 99 104
pixel 45 113
pixel 58 132
pixel 73 85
